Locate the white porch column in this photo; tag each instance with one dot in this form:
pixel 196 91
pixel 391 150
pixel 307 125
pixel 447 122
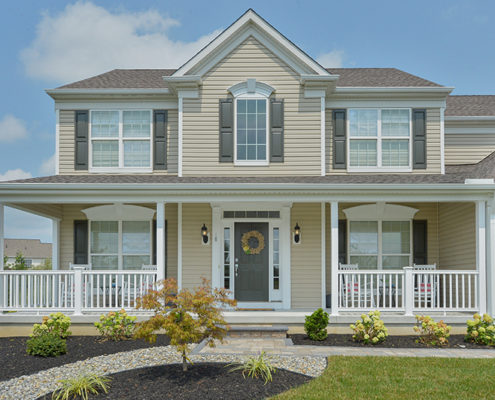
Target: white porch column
pixel 323 257
pixel 490 240
pixel 481 253
pixel 334 257
pixel 160 240
pixel 55 244
pixel 2 245
pixel 179 246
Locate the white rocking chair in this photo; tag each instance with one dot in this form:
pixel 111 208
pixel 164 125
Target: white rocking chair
pixel 352 291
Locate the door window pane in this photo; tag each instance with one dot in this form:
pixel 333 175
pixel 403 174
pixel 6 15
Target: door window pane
pixel 395 153
pixel 105 124
pixel 363 123
pixel 105 153
pixel 136 237
pixel 136 153
pixel 136 123
pixel 104 237
pixel 276 259
pixel 395 122
pixel 363 153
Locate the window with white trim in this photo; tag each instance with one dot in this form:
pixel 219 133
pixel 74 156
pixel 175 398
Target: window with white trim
pixel 379 139
pixel 251 122
pixel 380 244
pixel 120 139
pixel 120 245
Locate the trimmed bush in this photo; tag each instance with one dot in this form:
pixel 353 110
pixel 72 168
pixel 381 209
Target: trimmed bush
pixel 57 324
pixel 46 345
pixel 432 333
pixel 116 325
pixel 371 328
pixel 315 325
pixel 481 330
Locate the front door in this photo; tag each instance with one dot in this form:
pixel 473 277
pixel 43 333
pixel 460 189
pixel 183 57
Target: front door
pixel 251 261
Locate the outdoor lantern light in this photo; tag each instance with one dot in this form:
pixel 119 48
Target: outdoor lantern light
pixel 297 233
pixel 204 234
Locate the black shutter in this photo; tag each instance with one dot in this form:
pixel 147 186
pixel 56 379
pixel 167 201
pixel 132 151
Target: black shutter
pixel 343 241
pixel 81 140
pixel 226 122
pixel 339 139
pixel 160 118
pixel 419 139
pixel 81 242
pixel 276 131
pixel 420 246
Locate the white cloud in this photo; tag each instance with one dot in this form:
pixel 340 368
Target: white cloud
pixel 48 166
pixel 85 39
pixel 12 129
pixel 332 59
pixel 13 174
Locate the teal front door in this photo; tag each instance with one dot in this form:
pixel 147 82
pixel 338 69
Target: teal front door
pixel 251 261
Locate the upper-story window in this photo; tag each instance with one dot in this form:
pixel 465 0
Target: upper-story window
pixel 251 130
pixel 120 139
pixel 379 139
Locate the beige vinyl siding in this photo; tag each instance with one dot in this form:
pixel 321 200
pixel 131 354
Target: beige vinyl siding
pixel 196 257
pixel 457 235
pixel 432 144
pixel 171 217
pixel 302 116
pixel 306 256
pixel 468 142
pixel 426 211
pixel 67 143
pixel 71 212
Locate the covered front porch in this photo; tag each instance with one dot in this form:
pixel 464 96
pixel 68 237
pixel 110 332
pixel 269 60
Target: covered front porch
pixel 350 254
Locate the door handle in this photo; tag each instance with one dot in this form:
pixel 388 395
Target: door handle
pixel 237 270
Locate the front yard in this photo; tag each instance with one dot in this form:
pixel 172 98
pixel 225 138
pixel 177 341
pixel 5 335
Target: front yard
pixel 400 378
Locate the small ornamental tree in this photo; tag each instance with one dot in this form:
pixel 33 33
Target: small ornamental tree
pixel 186 316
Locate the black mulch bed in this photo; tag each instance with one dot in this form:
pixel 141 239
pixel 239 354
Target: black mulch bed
pixel 15 361
pixel 455 341
pixel 203 381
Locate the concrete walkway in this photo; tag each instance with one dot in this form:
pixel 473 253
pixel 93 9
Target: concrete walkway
pixel 285 347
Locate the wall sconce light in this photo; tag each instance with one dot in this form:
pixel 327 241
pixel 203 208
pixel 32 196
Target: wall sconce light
pixel 204 234
pixel 297 234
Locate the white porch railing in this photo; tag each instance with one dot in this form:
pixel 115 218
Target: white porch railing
pixel 74 291
pixel 408 290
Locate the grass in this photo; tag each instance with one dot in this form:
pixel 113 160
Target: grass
pixel 399 378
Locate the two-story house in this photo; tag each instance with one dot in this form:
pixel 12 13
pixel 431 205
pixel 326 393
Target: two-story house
pixel 293 185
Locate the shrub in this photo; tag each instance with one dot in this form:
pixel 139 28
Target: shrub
pixel 371 329
pixel 315 325
pixel 257 367
pixel 81 386
pixel 481 330
pixel 46 345
pixel 57 324
pixel 185 316
pixel 432 333
pixel 116 325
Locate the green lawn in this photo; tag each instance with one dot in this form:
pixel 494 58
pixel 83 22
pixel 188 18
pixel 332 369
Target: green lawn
pixel 400 378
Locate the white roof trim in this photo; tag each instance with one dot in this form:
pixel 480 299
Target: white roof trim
pixel 243 88
pixel 380 210
pixel 119 211
pixel 255 25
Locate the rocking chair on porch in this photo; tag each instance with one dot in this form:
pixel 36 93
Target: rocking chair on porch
pixel 425 286
pixel 354 292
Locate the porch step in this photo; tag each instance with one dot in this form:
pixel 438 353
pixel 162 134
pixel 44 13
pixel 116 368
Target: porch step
pixel 257 331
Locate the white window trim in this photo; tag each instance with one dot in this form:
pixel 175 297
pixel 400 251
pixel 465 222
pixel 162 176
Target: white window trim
pixel 379 138
pixel 252 96
pixel 120 254
pixel 120 140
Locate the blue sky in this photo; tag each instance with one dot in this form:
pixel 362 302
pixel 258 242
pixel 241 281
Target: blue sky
pixel 48 43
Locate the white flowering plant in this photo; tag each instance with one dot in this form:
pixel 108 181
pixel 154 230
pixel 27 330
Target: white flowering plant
pixel 56 324
pixel 481 330
pixel 370 329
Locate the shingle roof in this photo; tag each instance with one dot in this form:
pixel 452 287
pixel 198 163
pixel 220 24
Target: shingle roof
pixel 378 77
pixel 124 79
pixel 30 248
pixel 152 79
pixel 470 105
pixel 485 169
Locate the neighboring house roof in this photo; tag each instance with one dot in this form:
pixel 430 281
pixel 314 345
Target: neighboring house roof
pixel 484 169
pixel 30 248
pixel 470 105
pixel 152 79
